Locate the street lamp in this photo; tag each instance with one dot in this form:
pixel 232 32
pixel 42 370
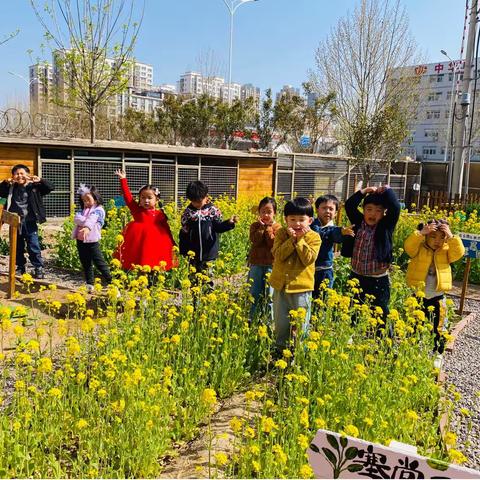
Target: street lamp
pixel 450 120
pixel 232 6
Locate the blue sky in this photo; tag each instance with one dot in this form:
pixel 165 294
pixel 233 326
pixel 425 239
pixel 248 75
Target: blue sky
pixel 274 40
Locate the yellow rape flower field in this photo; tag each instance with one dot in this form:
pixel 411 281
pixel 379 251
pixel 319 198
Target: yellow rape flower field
pixel 142 368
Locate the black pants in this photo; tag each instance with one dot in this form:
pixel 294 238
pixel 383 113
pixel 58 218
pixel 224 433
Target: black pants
pixel 90 254
pixel 438 317
pixel 379 287
pixel 28 237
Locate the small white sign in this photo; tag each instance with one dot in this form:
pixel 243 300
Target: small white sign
pixel 333 456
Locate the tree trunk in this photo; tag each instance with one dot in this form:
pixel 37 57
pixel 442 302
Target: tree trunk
pixel 93 127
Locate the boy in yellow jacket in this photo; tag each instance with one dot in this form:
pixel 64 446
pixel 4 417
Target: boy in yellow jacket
pixel 294 250
pixel 432 248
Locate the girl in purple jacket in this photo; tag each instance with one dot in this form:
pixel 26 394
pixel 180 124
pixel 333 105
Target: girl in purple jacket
pixel 88 231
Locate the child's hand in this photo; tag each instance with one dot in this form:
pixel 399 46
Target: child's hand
pixel 348 231
pixel 120 173
pixel 291 232
pixel 233 219
pixel 446 230
pixel 383 188
pixel 368 190
pixel 303 231
pixel 428 228
pixel 83 233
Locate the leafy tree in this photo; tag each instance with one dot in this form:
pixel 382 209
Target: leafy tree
pixel 197 119
pixel 287 116
pixel 169 119
pixel 92 43
pixel 233 118
pixel 264 121
pixel 136 126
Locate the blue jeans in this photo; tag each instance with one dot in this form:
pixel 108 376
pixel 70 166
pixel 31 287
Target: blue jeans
pixel 283 302
pixel 320 276
pixel 259 289
pixel 28 236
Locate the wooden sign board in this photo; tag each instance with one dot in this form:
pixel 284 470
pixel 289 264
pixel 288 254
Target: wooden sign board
pixel 471 242
pixel 13 220
pixel 333 456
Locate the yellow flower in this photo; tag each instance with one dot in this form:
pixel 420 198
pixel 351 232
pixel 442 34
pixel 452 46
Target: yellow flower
pixel 351 431
pixel 282 364
pixel 303 441
pixel 306 471
pixel 280 454
pixel 256 466
pixel 287 353
pixel 304 421
pixel 81 424
pixel 267 424
pixel 55 392
pixel 456 456
pixel 368 421
pixel 236 425
pixel 320 423
pixel 262 331
pixel 209 397
pixel 221 459
pixel 411 415
pixel 450 439
pixel 44 365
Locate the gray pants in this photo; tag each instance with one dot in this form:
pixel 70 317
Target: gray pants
pixel 282 304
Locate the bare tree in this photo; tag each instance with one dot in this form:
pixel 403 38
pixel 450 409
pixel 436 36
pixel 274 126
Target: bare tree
pixel 209 66
pixel 364 62
pixel 92 43
pixel 9 36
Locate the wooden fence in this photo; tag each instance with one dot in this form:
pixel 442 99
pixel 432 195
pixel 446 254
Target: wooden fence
pixel 441 199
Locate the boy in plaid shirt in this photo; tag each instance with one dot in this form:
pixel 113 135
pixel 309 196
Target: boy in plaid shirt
pixel 371 250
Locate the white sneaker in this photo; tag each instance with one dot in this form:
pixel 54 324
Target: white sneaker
pixel 437 363
pixel 90 288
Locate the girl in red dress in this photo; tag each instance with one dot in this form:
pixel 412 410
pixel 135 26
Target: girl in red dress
pixel 147 238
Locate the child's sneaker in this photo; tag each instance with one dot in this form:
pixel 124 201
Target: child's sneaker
pixel 90 288
pixel 39 273
pixel 437 363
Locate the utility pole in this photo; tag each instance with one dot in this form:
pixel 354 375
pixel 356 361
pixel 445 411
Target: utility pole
pixel 461 125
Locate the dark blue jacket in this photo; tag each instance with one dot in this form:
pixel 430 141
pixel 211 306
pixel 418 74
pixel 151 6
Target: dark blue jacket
pixel 383 232
pixel 329 234
pixel 200 229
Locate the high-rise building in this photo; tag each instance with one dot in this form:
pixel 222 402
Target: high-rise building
pixel 249 90
pixel 287 90
pixel 41 84
pixel 429 133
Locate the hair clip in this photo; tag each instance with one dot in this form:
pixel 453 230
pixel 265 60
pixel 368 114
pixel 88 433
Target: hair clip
pixel 83 189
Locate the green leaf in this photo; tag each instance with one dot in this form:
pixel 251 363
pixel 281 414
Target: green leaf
pixel 351 453
pixel 330 456
pixel 355 467
pixel 437 464
pixel 343 441
pixel 333 441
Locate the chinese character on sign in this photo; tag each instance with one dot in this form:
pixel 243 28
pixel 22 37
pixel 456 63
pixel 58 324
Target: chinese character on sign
pixel 420 69
pixel 374 464
pixel 407 469
pixel 438 67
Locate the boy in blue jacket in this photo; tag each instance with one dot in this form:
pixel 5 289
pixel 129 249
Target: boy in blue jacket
pixel 371 250
pixel 327 207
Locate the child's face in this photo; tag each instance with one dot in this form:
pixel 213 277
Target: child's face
pixel 198 204
pixel 20 176
pixel 372 214
pixel 267 214
pixel 298 222
pixel 147 199
pixel 436 239
pixel 326 212
pixel 88 200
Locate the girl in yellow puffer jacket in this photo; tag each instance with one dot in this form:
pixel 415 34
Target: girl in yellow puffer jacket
pixel 432 248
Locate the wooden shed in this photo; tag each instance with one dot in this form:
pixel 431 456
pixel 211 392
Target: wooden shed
pixel 67 163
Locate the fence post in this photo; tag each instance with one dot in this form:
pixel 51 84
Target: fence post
pixel 347 190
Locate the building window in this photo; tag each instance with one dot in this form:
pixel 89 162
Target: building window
pixel 433 114
pixel 440 78
pixel 429 151
pixel 434 96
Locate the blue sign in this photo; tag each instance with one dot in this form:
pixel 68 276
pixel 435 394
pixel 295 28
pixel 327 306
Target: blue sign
pixel 471 242
pixel 305 141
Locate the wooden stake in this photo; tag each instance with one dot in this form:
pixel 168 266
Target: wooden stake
pixel 13 221
pixel 465 285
